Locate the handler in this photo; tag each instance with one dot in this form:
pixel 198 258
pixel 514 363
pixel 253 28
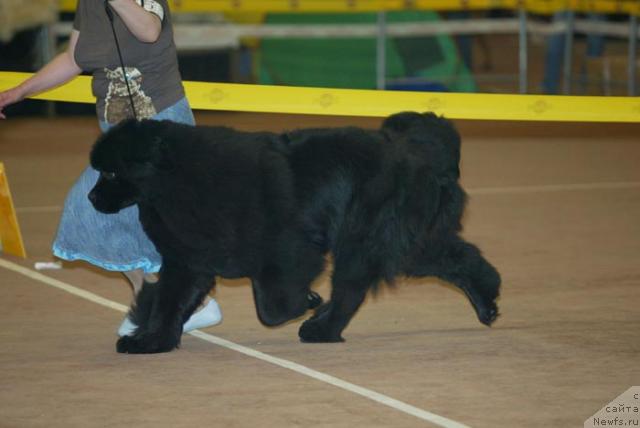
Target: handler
pixel 116 242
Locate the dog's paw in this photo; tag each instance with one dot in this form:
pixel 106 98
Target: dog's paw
pixel 314 330
pixel 321 311
pixel 314 299
pixel 148 343
pixel 488 314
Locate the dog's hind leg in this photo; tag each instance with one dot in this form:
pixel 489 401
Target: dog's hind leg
pixel 463 265
pixel 163 308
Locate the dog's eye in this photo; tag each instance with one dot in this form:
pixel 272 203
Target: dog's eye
pixel 108 175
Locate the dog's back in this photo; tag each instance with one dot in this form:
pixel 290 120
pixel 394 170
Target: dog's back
pixel 384 191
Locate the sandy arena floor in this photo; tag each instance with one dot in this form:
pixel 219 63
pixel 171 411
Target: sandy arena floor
pixel 555 207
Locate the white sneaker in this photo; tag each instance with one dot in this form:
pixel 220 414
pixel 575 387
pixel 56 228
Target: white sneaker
pixel 127 327
pixel 206 317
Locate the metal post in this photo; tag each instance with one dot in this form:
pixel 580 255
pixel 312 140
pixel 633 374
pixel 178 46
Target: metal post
pixel 44 53
pixel 46 45
pixel 633 55
pixel 522 47
pixel 381 53
pixel 568 53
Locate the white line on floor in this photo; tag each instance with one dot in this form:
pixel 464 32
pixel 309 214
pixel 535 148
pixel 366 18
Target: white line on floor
pixel 471 191
pixel 63 286
pixel 298 368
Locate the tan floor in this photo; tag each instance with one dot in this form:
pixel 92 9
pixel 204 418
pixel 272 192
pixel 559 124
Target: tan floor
pixel 567 343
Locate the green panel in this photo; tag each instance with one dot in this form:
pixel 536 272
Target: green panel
pixel 350 62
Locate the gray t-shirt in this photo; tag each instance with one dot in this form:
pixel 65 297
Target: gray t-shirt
pixel 152 68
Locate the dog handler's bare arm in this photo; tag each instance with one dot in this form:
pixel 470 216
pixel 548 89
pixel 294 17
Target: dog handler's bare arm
pixel 144 25
pixel 59 70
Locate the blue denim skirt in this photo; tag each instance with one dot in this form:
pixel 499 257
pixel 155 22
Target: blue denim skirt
pixel 114 242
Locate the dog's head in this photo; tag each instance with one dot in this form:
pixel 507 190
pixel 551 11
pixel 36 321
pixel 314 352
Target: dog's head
pixel 127 157
pixel 434 135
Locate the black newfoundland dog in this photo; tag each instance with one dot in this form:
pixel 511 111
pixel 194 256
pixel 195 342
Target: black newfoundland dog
pixel 220 202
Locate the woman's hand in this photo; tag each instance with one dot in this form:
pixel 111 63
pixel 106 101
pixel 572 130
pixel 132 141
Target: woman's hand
pixel 8 97
pixel 144 25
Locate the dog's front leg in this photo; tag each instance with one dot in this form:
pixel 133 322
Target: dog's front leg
pixel 176 295
pixel 352 278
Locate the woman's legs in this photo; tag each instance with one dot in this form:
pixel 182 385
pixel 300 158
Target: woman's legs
pixel 136 278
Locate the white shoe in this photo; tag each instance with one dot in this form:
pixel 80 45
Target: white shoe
pixel 127 327
pixel 206 317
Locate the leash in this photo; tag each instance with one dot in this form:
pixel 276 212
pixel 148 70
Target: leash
pixel 109 12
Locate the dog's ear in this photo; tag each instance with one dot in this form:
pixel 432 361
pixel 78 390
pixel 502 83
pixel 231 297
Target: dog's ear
pixel 160 156
pixel 148 150
pixel 109 151
pixel 133 149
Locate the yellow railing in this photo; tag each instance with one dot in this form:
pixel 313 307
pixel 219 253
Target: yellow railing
pixel 350 102
pixel 536 6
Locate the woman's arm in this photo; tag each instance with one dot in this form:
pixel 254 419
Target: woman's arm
pixel 59 70
pixel 145 26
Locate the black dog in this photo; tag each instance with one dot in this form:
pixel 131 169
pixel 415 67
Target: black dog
pixel 216 201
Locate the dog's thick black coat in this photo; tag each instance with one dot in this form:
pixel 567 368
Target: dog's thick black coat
pixel 220 202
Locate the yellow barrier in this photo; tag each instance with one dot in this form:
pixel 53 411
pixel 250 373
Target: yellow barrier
pixel 536 6
pixel 10 237
pixel 352 102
